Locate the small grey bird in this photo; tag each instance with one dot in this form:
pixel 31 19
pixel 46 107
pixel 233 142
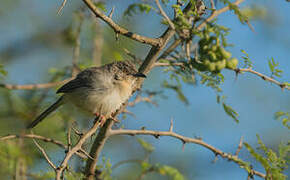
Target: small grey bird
pixel 97 90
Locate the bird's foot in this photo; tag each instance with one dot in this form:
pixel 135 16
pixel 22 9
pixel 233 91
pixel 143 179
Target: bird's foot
pixel 100 119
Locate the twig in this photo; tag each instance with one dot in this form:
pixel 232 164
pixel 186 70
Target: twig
pixel 120 30
pixel 44 139
pixel 199 27
pixel 171 125
pixel 112 12
pixel 44 154
pixel 96 149
pixel 34 86
pixel 264 77
pixel 33 136
pixel 162 12
pixel 240 146
pixel 212 5
pixel 69 139
pixel 61 7
pixel 216 13
pixel 184 140
pixel 76 148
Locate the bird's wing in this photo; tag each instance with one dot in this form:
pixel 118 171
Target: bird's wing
pixel 84 79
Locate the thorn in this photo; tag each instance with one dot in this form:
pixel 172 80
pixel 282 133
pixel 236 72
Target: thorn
pixel 156 136
pixel 215 158
pixel 111 13
pixel 183 146
pixel 117 36
pixel 171 125
pixel 240 146
pixel 61 7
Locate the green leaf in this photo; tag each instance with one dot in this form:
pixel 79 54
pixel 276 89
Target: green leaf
pixel 2 71
pixel 147 146
pixel 231 112
pixel 133 9
pixel 284 117
pixel 101 5
pixel 273 68
pixel 247 62
pixel 171 172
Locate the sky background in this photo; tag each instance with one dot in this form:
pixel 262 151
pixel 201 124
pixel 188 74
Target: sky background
pixel 255 100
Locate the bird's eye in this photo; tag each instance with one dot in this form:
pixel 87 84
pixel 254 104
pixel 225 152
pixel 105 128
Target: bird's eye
pixel 117 77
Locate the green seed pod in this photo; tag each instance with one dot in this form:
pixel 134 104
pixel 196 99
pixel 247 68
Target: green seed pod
pixel 206 62
pixel 214 48
pixel 205 48
pixel 225 53
pixel 211 67
pixel 220 65
pixel 232 63
pixel 212 56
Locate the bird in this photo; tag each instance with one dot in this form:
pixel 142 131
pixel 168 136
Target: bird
pixel 97 90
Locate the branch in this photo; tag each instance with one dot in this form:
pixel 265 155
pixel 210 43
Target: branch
pixel 44 154
pixel 199 27
pixel 96 150
pixel 34 136
pixel 75 149
pixel 34 86
pixel 120 30
pixel 44 139
pixel 184 140
pixel 162 12
pixel 264 77
pixel 216 13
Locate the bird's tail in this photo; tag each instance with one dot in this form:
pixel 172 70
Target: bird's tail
pixel 43 115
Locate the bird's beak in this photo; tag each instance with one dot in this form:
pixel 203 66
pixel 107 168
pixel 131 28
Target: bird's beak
pixel 139 75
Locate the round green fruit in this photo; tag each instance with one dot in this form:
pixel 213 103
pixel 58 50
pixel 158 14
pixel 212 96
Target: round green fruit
pixel 220 65
pixel 232 63
pixel 212 56
pixel 225 53
pixel 211 67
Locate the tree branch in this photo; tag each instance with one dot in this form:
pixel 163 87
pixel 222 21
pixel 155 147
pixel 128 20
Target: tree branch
pixel 34 86
pixel 44 154
pixel 162 12
pixel 96 150
pixel 44 139
pixel 77 147
pixel 184 140
pixel 120 30
pixel 264 77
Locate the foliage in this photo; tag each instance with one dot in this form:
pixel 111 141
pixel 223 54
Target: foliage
pixel 273 67
pixel 273 163
pixel 138 7
pixel 284 117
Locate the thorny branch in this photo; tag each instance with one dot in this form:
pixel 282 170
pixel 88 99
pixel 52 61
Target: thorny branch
pixel 77 147
pixel 42 138
pixel 158 46
pixel 118 29
pixel 264 77
pixel 184 140
pixel 44 154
